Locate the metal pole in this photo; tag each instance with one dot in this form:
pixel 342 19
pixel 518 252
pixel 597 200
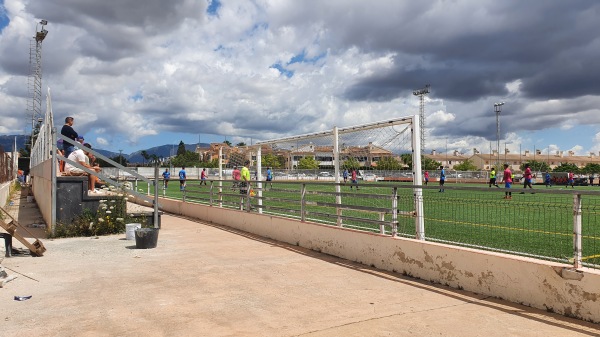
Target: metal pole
pixel 221 176
pixel 53 188
pixel 336 172
pixel 498 109
pixel 395 211
pixel 259 178
pixel 303 203
pixel 577 261
pixel 156 195
pixel 418 180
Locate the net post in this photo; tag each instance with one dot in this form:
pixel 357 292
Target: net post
pixel 336 172
pixel 303 203
pixel 259 178
pixel 395 211
pixel 577 255
pixel 221 176
pixel 418 178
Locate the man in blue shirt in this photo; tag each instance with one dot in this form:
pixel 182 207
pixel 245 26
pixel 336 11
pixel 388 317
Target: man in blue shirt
pixel 182 177
pixel 166 176
pixel 442 178
pixel 269 176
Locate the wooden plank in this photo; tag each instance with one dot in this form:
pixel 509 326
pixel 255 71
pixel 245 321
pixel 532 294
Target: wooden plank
pixel 37 247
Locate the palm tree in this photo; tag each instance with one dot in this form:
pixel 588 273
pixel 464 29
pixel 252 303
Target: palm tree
pixel 146 156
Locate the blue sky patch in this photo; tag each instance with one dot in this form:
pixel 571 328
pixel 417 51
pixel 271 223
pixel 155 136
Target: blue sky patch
pixel 137 97
pixel 282 70
pixel 301 58
pixel 4 21
pixel 213 7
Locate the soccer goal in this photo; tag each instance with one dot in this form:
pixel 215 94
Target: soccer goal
pixel 350 157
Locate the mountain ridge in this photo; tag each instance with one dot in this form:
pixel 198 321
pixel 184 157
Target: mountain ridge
pixel 7 143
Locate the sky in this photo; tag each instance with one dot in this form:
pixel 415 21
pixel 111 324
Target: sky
pixel 136 76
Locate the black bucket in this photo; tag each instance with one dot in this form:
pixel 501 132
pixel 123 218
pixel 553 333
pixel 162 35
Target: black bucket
pixel 146 238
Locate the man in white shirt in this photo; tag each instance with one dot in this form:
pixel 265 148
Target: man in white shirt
pixel 80 157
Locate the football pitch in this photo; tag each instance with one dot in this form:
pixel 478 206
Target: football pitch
pixel 530 224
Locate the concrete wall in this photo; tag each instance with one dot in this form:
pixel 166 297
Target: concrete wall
pixel 544 285
pixel 41 182
pixel 5 192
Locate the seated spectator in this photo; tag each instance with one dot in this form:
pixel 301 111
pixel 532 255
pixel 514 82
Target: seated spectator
pixel 80 157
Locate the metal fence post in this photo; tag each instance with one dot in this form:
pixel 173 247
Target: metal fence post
pixel 210 190
pixel 395 211
pixel 303 203
pixel 249 187
pixel 577 231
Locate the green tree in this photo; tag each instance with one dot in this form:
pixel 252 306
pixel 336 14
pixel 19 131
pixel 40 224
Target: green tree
pixel 351 163
pixel 466 165
pixel 188 159
pixel 227 142
pixel 271 160
pixel 426 162
pixel 154 159
pixel 119 159
pixel 591 168
pixel 388 163
pixel 181 148
pixel 429 164
pixel 241 144
pixel 566 167
pixel 308 162
pixel 536 166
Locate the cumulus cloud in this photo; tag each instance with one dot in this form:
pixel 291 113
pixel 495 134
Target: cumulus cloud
pixel 273 68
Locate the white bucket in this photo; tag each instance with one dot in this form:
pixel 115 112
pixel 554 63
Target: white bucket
pixel 130 230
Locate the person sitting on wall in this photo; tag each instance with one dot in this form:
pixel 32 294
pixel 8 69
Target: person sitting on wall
pixel 80 157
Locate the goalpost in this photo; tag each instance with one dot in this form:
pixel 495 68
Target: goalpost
pixel 374 147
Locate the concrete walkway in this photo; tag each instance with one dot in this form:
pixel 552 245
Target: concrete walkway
pixel 206 280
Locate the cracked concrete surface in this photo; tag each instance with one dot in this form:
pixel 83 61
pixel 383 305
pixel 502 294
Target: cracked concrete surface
pixel 206 280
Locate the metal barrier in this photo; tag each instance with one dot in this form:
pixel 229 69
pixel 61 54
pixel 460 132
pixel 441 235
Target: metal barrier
pixel 561 225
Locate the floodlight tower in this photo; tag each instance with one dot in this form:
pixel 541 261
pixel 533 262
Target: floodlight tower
pixel 34 82
pixel 422 93
pixel 498 109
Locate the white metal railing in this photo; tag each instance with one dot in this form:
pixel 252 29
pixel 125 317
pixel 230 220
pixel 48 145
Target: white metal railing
pixel 41 150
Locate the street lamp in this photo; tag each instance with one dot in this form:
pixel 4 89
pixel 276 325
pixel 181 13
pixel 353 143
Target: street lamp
pixel 498 109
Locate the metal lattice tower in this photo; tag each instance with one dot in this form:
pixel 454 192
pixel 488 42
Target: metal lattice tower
pixel 422 93
pixel 34 81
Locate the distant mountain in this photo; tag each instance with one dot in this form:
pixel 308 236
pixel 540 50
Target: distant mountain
pixel 8 142
pixel 163 151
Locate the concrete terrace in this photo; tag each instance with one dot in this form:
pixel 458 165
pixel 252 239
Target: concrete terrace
pixel 208 280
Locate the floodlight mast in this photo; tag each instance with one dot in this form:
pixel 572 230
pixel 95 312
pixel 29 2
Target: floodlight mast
pixel 34 83
pixel 422 93
pixel 498 109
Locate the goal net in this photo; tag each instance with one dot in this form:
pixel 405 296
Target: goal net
pixel 355 158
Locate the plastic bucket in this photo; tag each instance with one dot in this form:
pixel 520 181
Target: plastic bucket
pixel 146 238
pixel 130 230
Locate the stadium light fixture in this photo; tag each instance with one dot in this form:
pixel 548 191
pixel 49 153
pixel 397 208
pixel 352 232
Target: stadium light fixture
pixel 498 109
